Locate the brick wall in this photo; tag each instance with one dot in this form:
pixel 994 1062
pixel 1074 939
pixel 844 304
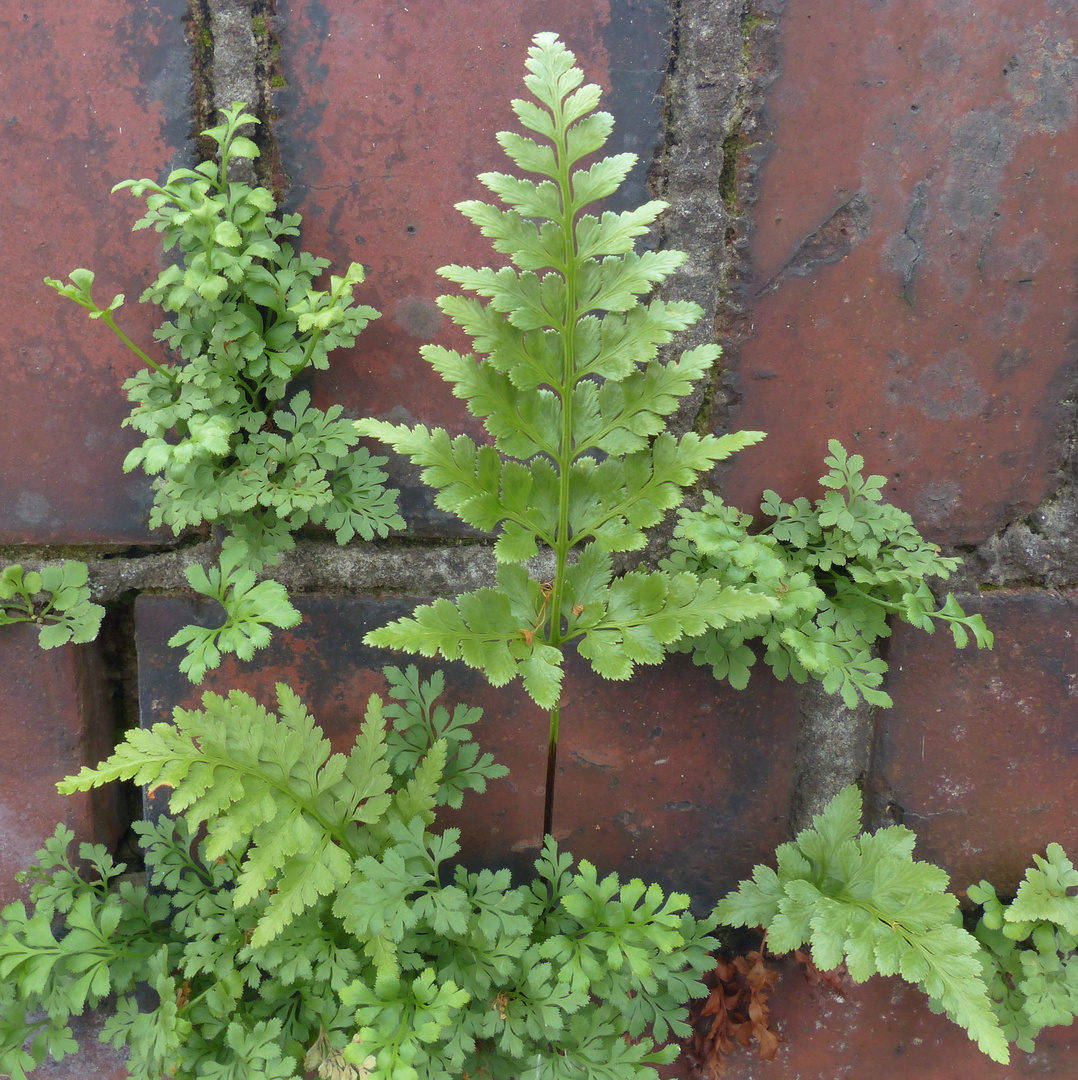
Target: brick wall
pixel 876 202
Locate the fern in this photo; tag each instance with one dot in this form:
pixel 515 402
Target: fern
pixel 576 402
pixel 225 442
pixel 110 935
pixel 838 570
pixel 864 899
pixel 283 804
pixel 1030 948
pixel 249 610
pixel 302 915
pixel 56 600
pixel 418 723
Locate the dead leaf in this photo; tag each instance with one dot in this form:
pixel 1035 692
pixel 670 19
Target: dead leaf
pixel 734 1013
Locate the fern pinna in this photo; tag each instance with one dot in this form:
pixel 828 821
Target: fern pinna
pixel 572 393
pixel 862 898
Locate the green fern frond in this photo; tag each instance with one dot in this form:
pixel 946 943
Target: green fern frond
pixel 570 388
pixel 865 900
pixel 267 790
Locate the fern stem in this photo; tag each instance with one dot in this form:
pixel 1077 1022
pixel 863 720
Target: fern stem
pixel 562 541
pixel 885 604
pixel 551 771
pixel 106 317
pixel 309 352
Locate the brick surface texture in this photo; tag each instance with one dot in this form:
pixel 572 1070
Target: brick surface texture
pixel 92 95
pixel 53 720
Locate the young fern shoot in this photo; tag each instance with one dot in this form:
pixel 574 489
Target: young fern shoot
pixel 572 393
pixel 56 600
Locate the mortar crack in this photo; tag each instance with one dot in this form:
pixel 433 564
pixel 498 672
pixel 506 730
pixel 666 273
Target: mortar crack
pixel 236 58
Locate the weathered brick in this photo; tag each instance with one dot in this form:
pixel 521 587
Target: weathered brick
pixel 912 291
pixel 54 718
pixel 94 1060
pixel 93 94
pixel 884 1028
pixel 979 755
pixel 670 776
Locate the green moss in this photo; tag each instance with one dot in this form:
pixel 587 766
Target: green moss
pixel 749 24
pixel 731 147
pixel 278 82
pixel 258 26
pixel 703 423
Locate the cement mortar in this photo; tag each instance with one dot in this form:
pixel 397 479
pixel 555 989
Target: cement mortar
pixel 407 568
pixel 235 67
pixel 1042 549
pixel 834 745
pixel 706 97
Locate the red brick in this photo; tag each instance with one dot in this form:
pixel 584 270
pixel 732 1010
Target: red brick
pixel 929 328
pixel 669 776
pixel 884 1030
pixel 94 1060
pixel 53 720
pixel 93 94
pixel 979 751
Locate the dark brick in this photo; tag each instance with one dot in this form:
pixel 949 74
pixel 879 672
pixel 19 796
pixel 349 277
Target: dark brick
pixel 53 720
pixel 93 94
pixel 670 776
pixel 932 330
pixel 979 756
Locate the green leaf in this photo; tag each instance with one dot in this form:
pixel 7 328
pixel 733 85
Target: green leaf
pixel 1044 892
pixel 866 561
pixel 241 147
pixel 863 899
pixel 419 724
pixel 482 629
pixel 57 600
pixel 249 610
pixel 538 393
pixel 244 319
pixel 225 763
pixel 227 234
pixel 754 903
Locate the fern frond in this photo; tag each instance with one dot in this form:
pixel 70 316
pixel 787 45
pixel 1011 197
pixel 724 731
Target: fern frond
pixel 571 391
pixel 865 900
pixel 267 790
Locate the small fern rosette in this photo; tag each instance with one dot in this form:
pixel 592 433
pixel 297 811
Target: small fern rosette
pixel 305 915
pixel 840 569
pixel 572 392
pixel 226 436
